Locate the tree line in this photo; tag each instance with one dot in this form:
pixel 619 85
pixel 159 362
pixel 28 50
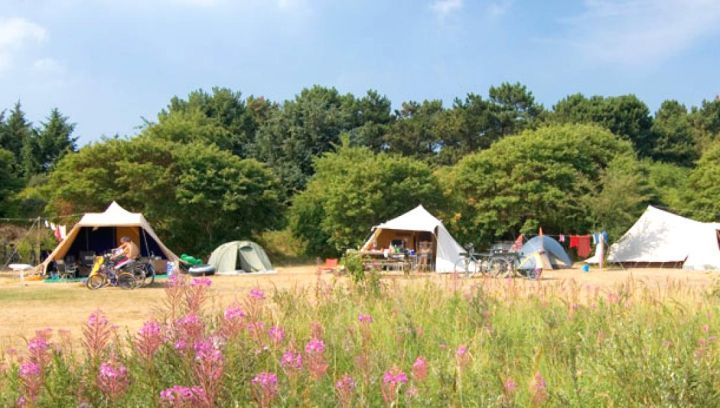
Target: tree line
pixel 326 166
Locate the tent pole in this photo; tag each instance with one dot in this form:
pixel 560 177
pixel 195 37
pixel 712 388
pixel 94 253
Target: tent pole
pixel 147 247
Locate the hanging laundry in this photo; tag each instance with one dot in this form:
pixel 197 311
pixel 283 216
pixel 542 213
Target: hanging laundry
pixel 583 246
pixel 47 225
pixel 57 234
pixel 573 241
pixel 561 238
pixel 63 232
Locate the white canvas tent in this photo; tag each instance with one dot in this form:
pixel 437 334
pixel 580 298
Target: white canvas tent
pixel 98 232
pixel 418 220
pixel 660 237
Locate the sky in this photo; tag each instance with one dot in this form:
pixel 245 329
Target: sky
pixel 107 64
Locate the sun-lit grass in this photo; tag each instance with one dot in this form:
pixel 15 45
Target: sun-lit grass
pixel 482 343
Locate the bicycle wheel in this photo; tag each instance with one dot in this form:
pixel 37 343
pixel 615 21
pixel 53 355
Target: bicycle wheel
pixel 149 275
pixel 96 281
pixel 126 280
pixel 499 267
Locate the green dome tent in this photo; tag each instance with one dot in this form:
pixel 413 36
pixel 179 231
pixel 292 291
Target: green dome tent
pixel 236 257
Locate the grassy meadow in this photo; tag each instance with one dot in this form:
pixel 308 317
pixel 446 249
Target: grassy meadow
pixel 486 342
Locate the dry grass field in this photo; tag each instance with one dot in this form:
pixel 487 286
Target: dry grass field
pixel 32 305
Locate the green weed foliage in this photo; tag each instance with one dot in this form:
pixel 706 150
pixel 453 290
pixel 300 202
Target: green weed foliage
pixel 452 342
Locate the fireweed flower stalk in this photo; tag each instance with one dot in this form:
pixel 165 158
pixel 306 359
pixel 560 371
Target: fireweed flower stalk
pixel 392 380
pixel 254 304
pixel 277 335
pixel 314 353
pixel 96 336
pixel 175 289
pixel 420 369
pixel 208 369
pixel 148 340
pixel 187 331
pixel 31 378
pixel 538 389
pixel 344 388
pixel 232 322
pixel 112 380
pixel 196 294
pixel 291 362
pixel 265 388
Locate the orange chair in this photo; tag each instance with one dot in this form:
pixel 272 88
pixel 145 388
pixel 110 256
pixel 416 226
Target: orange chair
pixel 330 265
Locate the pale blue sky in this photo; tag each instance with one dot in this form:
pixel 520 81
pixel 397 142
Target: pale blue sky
pixel 107 63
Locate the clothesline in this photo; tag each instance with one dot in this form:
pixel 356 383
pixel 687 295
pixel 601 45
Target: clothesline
pixel 40 218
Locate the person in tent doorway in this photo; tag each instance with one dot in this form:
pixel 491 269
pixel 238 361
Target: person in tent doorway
pixel 127 252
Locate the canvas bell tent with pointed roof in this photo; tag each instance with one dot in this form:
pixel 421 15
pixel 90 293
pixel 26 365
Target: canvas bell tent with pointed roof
pixel 660 238
pixel 414 228
pixel 99 232
pixel 240 257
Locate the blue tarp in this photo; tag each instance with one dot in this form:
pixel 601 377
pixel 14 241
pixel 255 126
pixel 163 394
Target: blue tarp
pixel 554 251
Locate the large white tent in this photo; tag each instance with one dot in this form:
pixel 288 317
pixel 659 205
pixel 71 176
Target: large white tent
pixel 97 232
pixel 419 220
pixel 660 237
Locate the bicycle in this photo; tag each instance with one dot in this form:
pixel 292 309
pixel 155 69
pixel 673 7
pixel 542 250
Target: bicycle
pixel 470 262
pixel 143 271
pixel 496 263
pixel 103 274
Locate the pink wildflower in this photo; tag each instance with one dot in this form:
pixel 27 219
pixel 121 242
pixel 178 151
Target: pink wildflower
pixel 393 379
pixel 208 369
pixel 277 334
pixel 315 346
pixel 96 335
pixel 31 378
pixel 265 387
pixel 365 318
pixel 257 294
pixel 291 361
pixel 538 389
pixel 206 282
pixel 186 397
pixel 419 369
pixel 149 339
pixel 509 387
pixel 112 380
pixel 462 356
pixel 189 329
pixel 316 363
pixel 344 388
pixel 234 313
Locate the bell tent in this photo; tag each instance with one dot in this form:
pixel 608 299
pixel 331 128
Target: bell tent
pixel 660 238
pixel 413 229
pixel 236 257
pixel 543 252
pixel 97 233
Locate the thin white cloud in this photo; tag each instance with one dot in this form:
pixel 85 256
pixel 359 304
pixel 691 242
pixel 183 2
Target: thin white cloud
pixel 48 66
pixel 498 8
pixel 15 34
pixel 633 32
pixel 445 7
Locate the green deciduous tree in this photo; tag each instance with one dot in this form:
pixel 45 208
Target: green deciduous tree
pixel 547 177
pixel 221 117
pixel 625 116
pixel 196 195
pixel 311 124
pixel 354 189
pixel 9 182
pixel 703 194
pixel 673 135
